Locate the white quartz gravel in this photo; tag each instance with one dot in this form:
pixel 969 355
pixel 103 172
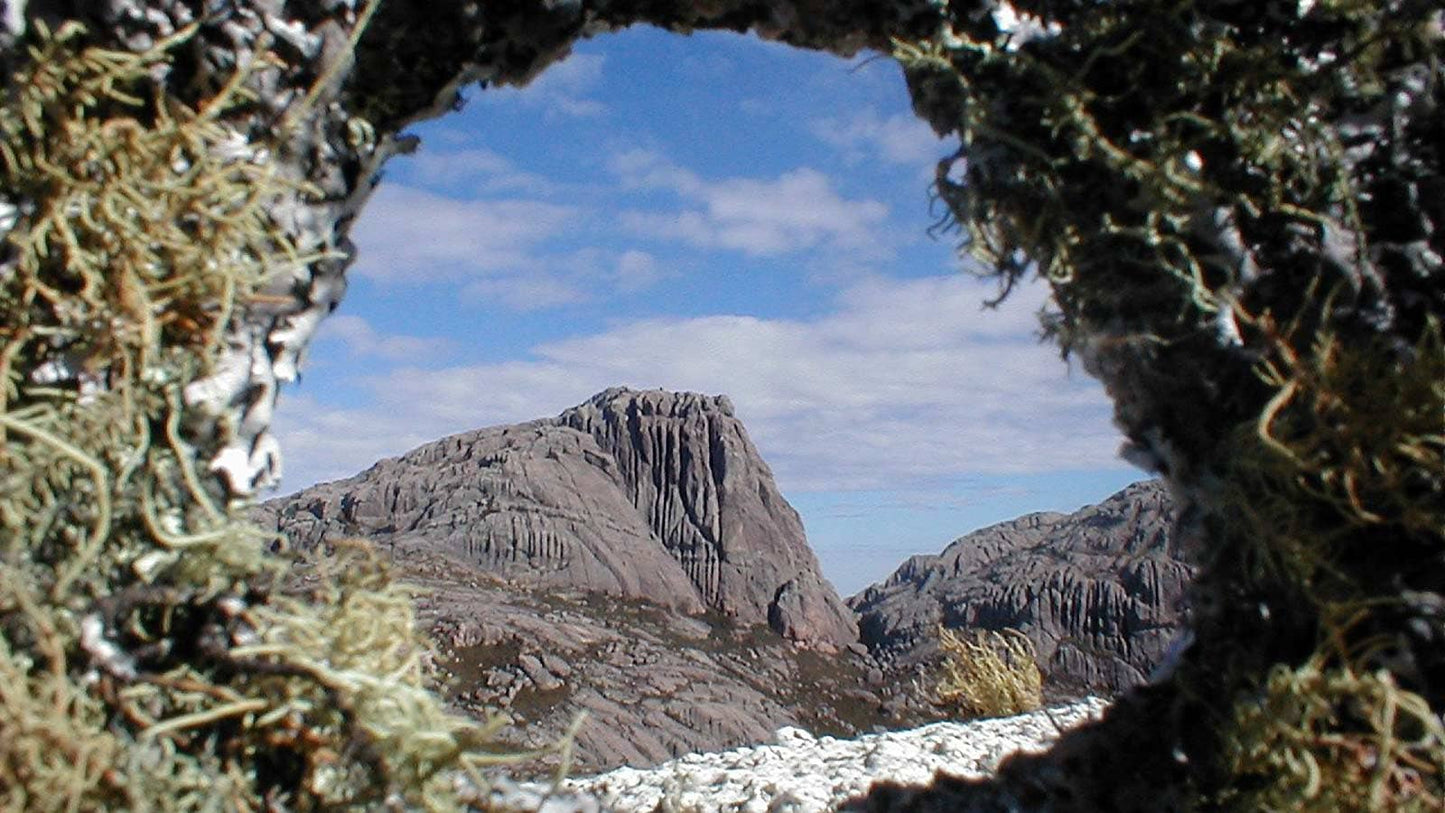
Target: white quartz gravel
pixel 800 773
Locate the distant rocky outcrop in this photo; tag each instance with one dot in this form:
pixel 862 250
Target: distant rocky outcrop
pixel 1098 591
pixel 632 559
pixel 649 495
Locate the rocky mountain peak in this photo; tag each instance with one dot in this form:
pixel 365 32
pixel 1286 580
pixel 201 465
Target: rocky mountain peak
pixel 652 402
pixel 1100 591
pixel 639 494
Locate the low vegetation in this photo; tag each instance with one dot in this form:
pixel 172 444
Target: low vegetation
pixel 157 650
pixel 1229 203
pixel 988 674
pixel 1237 207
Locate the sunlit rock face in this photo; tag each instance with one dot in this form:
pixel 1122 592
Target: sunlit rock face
pixel 1099 592
pixel 692 471
pixel 653 495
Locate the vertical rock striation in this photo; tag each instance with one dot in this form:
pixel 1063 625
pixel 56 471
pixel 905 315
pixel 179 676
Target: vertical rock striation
pixel 653 495
pixel 1265 313
pixel 707 494
pixel 1098 592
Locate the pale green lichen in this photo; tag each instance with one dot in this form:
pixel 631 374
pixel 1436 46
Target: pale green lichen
pixel 1204 187
pixel 154 653
pixel 1329 736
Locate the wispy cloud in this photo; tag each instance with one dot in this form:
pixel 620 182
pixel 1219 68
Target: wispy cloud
pixel 364 341
pixel 564 89
pixel 900 139
pixel 506 251
pixel 410 235
pixel 473 172
pixel 636 271
pixel 903 382
pixel 796 211
pixel 526 292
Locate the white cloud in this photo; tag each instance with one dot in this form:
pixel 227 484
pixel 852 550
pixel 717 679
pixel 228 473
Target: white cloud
pixel 409 235
pixel 636 271
pixel 503 251
pixel 905 382
pixel 473 171
pixel 644 169
pixel 797 211
pixel 526 292
pixel 563 89
pixel 898 139
pixel 362 340
pixel 321 443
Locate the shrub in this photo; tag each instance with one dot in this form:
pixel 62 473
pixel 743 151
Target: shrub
pixel 988 674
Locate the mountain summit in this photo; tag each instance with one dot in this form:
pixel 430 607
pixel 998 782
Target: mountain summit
pixel 632 558
pixel 651 495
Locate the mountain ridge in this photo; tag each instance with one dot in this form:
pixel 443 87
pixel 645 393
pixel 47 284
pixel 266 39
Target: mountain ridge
pixel 631 557
pixel 636 494
pixel 1100 591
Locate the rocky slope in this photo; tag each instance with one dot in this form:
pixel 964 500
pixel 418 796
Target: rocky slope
pixel 645 495
pixel 797 772
pixel 632 559
pixel 654 683
pixel 1098 591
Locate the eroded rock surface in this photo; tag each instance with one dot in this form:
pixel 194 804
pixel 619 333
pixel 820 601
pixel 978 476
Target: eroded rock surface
pixel 631 559
pixel 1327 259
pixel 692 472
pixel 654 684
pixel 645 495
pixel 1098 591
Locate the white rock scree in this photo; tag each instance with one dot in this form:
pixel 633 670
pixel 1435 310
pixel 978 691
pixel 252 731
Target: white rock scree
pixel 800 773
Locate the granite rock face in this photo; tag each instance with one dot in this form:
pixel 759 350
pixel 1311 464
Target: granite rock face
pixel 692 472
pixel 647 495
pixel 1097 591
pixel 1364 220
pixel 653 683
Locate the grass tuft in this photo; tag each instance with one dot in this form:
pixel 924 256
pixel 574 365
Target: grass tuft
pixel 988 674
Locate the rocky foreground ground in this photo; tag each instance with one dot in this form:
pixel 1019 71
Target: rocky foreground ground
pixel 654 684
pixel 800 773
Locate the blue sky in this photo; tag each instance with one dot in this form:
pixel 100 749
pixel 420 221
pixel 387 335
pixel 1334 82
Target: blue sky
pixel 719 214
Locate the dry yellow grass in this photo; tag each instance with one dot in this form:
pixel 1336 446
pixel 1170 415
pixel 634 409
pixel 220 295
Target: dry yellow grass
pixel 988 674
